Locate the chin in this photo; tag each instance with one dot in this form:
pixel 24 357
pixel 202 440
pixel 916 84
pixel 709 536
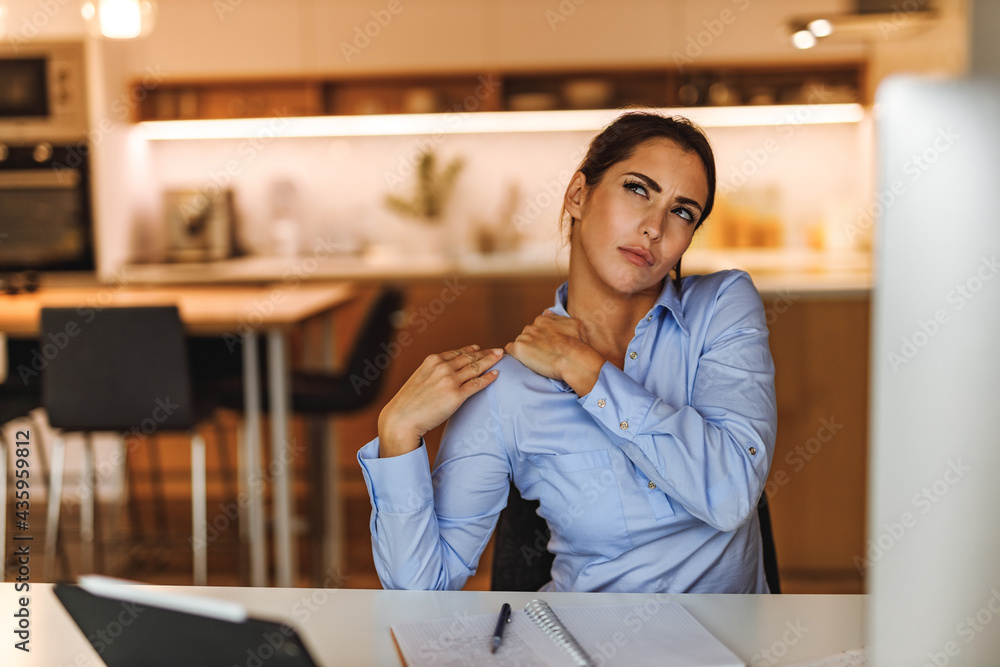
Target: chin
pixel 633 284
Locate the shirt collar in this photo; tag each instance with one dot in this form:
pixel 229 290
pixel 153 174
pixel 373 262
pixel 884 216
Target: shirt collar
pixel 668 299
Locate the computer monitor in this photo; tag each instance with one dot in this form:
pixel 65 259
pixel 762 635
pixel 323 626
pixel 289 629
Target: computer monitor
pixel 933 548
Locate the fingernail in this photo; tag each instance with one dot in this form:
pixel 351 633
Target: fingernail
pixel 475 347
pixel 498 351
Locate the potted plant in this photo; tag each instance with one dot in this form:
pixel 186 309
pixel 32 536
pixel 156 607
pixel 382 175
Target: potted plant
pixel 429 198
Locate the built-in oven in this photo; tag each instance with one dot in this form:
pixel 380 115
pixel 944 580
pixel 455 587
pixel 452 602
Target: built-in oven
pixel 45 203
pixel 45 208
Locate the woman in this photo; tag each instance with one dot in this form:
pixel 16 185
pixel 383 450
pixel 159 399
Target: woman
pixel 640 412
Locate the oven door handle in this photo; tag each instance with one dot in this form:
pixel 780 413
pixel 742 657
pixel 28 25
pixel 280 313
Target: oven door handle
pixel 38 179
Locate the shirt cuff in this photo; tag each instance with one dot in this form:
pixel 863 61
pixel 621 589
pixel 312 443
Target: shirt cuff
pixel 618 402
pixel 397 484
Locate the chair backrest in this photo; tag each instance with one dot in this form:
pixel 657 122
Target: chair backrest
pixel 115 369
pixel 521 561
pixel 372 349
pixel 20 392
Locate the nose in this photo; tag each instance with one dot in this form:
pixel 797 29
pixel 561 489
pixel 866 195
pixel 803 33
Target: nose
pixel 651 226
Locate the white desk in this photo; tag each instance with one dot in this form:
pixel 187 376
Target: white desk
pixel 351 627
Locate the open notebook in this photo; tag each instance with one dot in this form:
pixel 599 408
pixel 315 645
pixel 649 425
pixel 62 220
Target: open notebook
pixel 659 632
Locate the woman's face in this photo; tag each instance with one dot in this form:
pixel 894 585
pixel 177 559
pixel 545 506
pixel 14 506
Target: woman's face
pixel 635 224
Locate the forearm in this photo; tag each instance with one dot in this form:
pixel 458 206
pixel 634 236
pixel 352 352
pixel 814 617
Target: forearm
pixel 713 461
pixel 428 531
pixel 407 547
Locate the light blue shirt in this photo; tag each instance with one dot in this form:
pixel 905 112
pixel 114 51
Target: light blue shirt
pixel 649 483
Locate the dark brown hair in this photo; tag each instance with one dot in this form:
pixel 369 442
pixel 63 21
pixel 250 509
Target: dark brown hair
pixel 619 140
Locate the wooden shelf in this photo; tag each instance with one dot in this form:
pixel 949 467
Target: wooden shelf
pixel 502 91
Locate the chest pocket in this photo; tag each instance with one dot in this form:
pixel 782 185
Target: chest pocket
pixel 580 500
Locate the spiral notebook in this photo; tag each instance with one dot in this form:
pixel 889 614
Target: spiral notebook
pixel 658 632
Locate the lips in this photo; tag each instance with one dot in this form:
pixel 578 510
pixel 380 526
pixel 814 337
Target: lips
pixel 638 256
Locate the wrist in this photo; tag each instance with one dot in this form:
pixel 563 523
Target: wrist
pixel 581 369
pixel 396 439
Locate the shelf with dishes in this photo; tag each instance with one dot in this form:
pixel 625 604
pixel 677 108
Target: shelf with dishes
pixel 467 92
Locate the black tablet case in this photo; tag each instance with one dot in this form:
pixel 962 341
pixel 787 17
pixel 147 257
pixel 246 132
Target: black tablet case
pixel 156 637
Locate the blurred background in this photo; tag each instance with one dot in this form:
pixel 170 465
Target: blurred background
pixel 426 146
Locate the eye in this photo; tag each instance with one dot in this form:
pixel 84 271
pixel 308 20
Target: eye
pixel 636 187
pixel 686 213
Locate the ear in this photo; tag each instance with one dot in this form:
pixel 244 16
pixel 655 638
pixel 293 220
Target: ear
pixel 576 195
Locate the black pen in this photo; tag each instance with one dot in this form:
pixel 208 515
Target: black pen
pixel 501 622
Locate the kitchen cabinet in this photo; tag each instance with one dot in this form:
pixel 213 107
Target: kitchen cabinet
pixel 514 90
pixel 229 38
pixel 728 31
pixel 224 38
pixel 578 33
pixel 356 37
pixel 818 481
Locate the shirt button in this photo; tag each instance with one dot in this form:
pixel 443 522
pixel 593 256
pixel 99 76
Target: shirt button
pixel 601 403
pixel 652 485
pixel 650 317
pixel 623 425
pixel 753 451
pixel 632 355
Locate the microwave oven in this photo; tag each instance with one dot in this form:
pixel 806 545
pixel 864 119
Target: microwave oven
pixel 43 92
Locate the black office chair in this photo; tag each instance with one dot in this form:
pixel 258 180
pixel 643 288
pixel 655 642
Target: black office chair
pixel 124 371
pixel 521 561
pixel 313 393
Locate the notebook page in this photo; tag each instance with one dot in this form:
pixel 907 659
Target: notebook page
pixel 460 641
pixel 660 632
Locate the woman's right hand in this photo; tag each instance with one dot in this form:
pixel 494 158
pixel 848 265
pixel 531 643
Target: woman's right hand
pixel 432 394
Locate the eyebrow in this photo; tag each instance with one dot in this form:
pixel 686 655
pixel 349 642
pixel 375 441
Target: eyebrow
pixel 655 187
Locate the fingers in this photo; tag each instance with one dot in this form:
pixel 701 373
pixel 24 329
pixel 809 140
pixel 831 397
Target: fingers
pixel 470 387
pixel 454 354
pixel 477 362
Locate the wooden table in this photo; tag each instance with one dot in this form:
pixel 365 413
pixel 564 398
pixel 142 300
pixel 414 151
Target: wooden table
pixel 351 627
pixel 238 313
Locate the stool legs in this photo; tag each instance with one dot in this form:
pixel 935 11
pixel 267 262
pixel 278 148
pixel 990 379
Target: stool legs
pixel 87 503
pixel 251 451
pixel 55 498
pixel 199 504
pixel 3 495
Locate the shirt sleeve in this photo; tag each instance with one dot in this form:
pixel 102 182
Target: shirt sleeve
pixel 429 530
pixel 713 455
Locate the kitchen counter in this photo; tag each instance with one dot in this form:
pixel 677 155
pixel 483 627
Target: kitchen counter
pixel 831 273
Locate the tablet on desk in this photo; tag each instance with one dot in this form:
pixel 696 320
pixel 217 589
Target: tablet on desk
pixel 130 626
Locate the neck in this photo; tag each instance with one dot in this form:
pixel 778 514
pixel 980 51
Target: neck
pixel 608 317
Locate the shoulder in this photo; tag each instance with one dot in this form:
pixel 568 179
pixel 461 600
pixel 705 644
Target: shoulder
pixel 725 297
pixel 516 377
pixel 732 282
pixel 728 286
pixel 513 381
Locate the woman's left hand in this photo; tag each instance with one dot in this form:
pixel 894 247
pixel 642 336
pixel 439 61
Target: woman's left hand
pixel 556 347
